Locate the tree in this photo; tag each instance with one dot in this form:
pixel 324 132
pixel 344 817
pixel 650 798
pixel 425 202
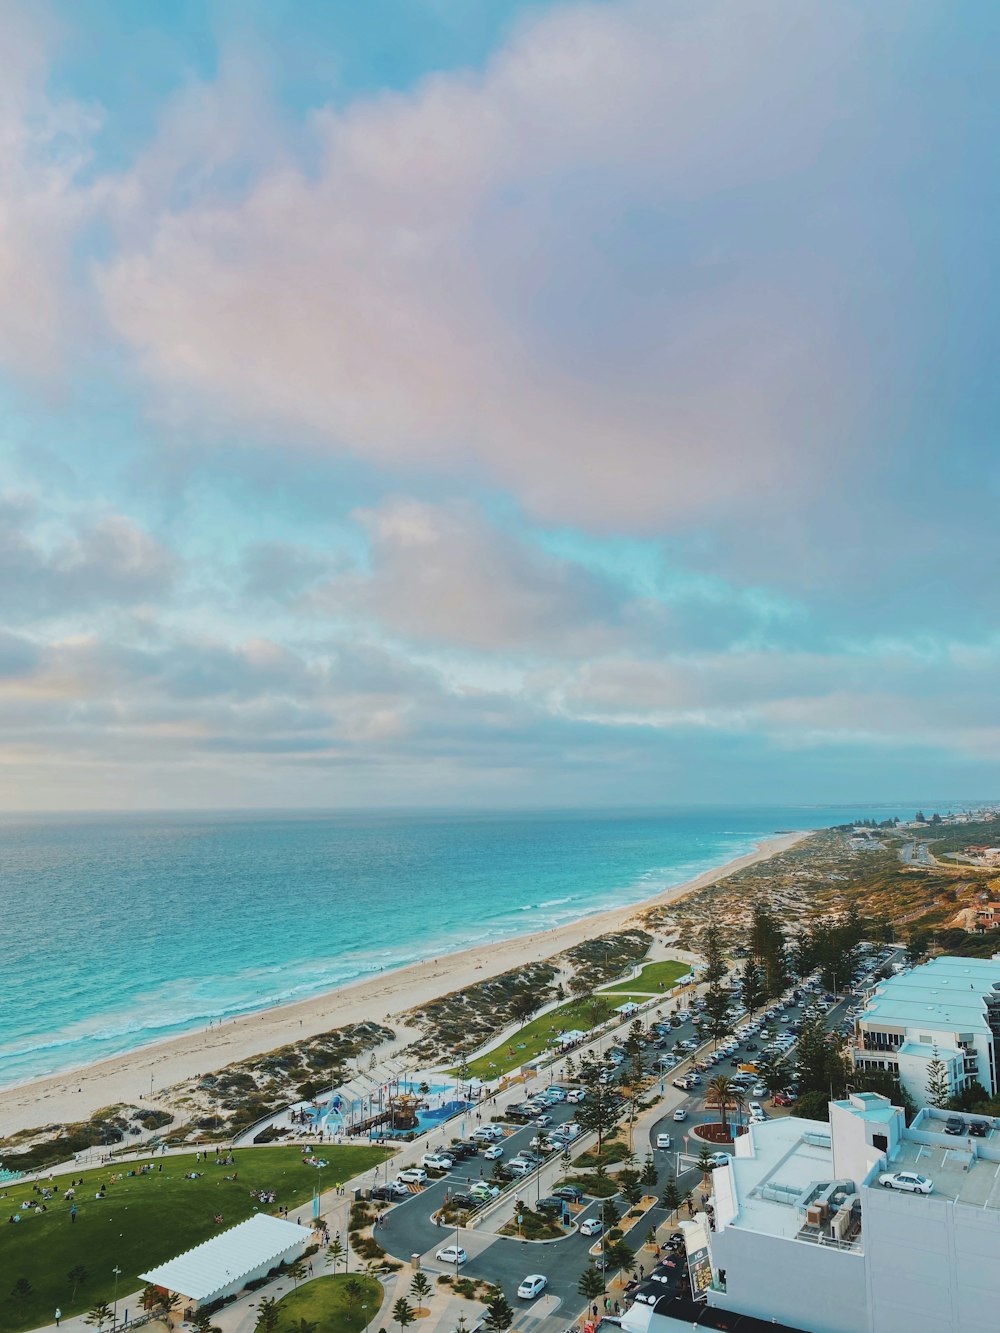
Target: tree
pixel 403 1312
pixel 711 948
pixel 717 1020
pixel 354 1290
pixel 599 1113
pixel 815 1058
pixel 267 1315
pixel 649 1172
pixel 420 1288
pixel 610 1216
pixel 297 1272
pixel 591 1284
pixel 335 1251
pixel 619 1255
pixel 751 986
pixel 938 1088
pixel 78 1276
pixel 201 1322
pixel 524 1004
pixel 98 1315
pixel 631 1190
pixel 812 1106
pixel 305 1326
pixel 671 1196
pixel 499 1315
pixel 722 1090
pixel 704 1163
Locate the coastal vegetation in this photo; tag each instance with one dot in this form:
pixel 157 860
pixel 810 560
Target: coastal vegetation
pixel 142 1220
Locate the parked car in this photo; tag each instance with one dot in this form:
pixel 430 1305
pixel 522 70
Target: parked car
pixel 462 1151
pixel 783 1098
pixel 554 1094
pixel 576 1094
pixel 452 1254
pixel 906 1180
pixel 759 1090
pixel 979 1128
pixel 491 1133
pixel 543 1120
pixel 493 1153
pixel 389 1193
pixel 517 1166
pixel 954 1125
pixel 413 1175
pixel 532 1286
pixel 570 1193
pixel 552 1204
pixel 437 1161
pixel 483 1190
pixel 756 1111
pixel 464 1201
pixel 591 1226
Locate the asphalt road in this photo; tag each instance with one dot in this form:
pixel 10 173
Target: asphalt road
pixel 507 1261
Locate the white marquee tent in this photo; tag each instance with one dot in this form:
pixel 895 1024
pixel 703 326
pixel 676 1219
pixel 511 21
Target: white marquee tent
pixel 224 1265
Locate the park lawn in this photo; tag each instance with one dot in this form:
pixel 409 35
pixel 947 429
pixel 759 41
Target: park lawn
pixel 654 977
pixel 324 1303
pixel 536 1037
pixel 145 1220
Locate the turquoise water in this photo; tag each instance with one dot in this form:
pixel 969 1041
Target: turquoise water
pixel 123 930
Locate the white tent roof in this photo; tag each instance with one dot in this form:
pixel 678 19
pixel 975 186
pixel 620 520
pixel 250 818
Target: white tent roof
pixel 217 1263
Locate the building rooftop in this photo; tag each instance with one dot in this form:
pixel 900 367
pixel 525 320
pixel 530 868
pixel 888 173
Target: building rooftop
pixel 958 1174
pixel 946 994
pixel 761 1190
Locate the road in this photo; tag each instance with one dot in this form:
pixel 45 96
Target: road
pixel 505 1260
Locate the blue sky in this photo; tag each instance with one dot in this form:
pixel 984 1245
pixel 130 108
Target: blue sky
pixel 451 401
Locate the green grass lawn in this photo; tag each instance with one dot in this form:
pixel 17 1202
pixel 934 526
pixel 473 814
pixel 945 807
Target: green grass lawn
pixel 654 977
pixel 145 1220
pixel 537 1036
pixel 325 1303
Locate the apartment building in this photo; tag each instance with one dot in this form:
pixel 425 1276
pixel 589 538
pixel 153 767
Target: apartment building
pixel 948 1008
pixel 806 1236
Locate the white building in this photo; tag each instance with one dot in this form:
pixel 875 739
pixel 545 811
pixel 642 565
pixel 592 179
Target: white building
pixel 806 1236
pixel 949 1007
pixel 223 1266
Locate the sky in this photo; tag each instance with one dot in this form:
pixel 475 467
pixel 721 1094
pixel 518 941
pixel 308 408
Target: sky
pixel 498 403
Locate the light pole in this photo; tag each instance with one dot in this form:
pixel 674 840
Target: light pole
pixel 114 1314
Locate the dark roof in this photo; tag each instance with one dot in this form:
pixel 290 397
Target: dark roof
pixel 688 1312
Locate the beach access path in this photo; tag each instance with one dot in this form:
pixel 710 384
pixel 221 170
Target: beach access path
pixel 129 1078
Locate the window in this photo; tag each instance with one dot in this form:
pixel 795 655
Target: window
pixel 881 1142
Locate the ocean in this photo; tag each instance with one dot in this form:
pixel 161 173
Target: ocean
pixel 123 930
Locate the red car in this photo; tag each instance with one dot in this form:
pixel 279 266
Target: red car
pixel 781 1099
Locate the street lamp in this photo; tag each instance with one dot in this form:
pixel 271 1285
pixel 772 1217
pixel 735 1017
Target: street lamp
pixel 114 1314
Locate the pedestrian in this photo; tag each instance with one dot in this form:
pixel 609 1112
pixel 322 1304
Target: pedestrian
pixel 594 1309
pixel 607 1304
pixel 58 1315
pixel 72 1213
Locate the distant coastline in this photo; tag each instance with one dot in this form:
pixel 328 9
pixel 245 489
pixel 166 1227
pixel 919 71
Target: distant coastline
pixel 76 1093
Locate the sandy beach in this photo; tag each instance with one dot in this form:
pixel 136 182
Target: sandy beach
pixel 74 1095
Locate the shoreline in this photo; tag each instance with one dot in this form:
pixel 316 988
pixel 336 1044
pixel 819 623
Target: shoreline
pixel 74 1094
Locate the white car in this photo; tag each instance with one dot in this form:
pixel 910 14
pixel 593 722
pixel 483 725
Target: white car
pixel 494 1152
pixel 680 1113
pixel 438 1161
pixel 532 1285
pixel 481 1190
pixel 759 1090
pixel 555 1094
pixel 543 1120
pixel 576 1094
pixel 663 1140
pixel 517 1166
pixel 906 1180
pixel 756 1110
pixel 591 1226
pixel 414 1175
pixel 544 1143
pixel 719 1159
pixel 452 1254
pixel 491 1133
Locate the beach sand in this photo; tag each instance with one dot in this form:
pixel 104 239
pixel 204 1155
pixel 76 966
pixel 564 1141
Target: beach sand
pixel 74 1095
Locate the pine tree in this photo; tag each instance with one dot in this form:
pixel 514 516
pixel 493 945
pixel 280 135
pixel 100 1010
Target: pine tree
pixel 938 1087
pixel 403 1312
pixel 499 1315
pixel 591 1284
pixel 671 1196
pixel 649 1172
pixel 267 1315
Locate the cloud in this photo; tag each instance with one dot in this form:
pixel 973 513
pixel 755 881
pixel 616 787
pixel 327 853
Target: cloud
pixel 444 574
pixel 601 273
pixel 108 561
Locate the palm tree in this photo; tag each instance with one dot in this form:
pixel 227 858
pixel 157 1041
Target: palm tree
pixel 722 1091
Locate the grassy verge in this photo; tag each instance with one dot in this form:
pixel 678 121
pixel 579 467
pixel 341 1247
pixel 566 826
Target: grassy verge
pixel 654 977
pixel 599 1187
pixel 143 1221
pixel 537 1036
pixel 346 1302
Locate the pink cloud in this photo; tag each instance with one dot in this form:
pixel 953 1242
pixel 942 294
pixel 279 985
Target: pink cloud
pixel 435 294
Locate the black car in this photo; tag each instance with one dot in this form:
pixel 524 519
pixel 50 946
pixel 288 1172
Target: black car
pixel 979 1128
pixel 461 1151
pixel 570 1193
pixel 752 1046
pixel 388 1193
pixel 463 1201
pixel 550 1205
pixel 954 1125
